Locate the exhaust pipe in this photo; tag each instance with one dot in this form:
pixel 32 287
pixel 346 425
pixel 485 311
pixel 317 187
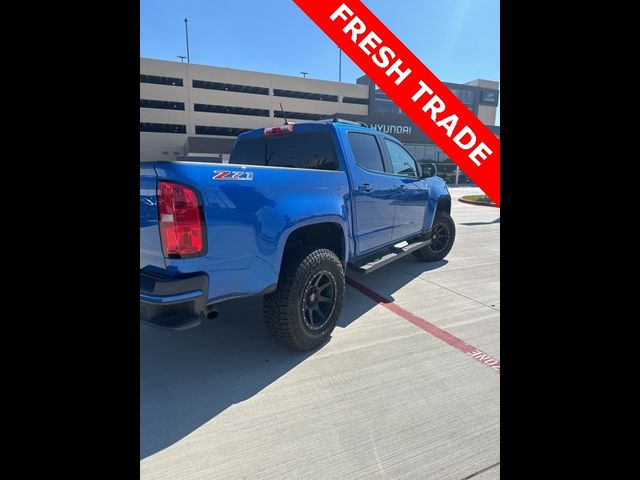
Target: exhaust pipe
pixel 211 313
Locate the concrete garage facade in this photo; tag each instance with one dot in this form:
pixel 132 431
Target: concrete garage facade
pixel 197 110
pixel 183 103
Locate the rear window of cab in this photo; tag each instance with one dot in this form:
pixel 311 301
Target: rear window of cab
pixel 311 150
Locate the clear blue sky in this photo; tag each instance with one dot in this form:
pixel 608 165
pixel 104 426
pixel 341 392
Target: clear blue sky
pixel 459 40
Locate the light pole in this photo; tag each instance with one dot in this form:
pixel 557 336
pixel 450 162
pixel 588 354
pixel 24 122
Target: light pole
pixel 181 57
pixel 304 74
pixel 339 64
pixel 186 33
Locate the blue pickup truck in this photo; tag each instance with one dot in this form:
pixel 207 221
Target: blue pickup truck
pixel 295 208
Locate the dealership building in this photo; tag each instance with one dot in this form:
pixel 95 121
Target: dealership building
pixel 197 111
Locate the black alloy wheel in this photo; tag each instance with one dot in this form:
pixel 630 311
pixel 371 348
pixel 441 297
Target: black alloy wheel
pixel 318 300
pixel 439 237
pixel 442 235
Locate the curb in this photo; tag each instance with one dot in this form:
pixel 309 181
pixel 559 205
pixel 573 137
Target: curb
pixel 473 202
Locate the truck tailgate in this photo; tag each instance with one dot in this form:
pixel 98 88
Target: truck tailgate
pixel 150 246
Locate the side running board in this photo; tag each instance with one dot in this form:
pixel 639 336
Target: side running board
pixel 398 252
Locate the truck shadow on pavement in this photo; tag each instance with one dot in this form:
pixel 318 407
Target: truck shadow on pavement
pixel 475 224
pixel 385 282
pixel 188 378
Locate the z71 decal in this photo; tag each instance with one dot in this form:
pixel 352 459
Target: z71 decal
pixel 229 175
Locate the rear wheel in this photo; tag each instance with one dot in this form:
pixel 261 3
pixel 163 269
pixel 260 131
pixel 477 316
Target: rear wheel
pixel 304 309
pixel 443 234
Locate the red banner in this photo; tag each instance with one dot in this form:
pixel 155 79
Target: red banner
pixel 413 87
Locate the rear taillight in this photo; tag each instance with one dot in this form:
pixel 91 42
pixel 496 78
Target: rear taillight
pixel 181 223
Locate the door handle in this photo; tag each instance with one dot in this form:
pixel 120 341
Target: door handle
pixel 401 187
pixel 366 187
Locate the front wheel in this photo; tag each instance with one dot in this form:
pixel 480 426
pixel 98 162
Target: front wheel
pixel 304 309
pixel 443 233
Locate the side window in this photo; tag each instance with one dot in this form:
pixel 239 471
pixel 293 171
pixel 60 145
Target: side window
pixel 401 161
pixel 366 152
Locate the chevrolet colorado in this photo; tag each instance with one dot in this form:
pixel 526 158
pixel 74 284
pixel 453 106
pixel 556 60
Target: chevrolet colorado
pixel 296 206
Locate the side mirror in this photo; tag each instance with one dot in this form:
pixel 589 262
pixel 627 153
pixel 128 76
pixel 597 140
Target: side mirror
pixel 429 170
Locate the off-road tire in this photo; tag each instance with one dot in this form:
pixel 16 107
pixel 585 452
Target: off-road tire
pixel 442 225
pixel 286 312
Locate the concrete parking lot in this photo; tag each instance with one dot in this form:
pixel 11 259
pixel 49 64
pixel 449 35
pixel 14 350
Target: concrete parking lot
pixel 383 399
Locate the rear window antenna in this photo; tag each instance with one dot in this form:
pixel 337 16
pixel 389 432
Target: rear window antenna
pixel 284 115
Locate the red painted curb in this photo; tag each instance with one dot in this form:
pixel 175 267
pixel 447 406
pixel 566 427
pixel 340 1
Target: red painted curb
pixel 428 327
pixel 473 202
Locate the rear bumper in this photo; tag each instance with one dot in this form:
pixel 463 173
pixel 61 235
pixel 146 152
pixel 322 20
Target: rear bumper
pixel 174 304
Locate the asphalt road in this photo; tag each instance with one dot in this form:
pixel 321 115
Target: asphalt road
pixel 383 399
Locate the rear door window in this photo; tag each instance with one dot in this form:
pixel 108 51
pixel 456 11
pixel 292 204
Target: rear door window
pixel 366 151
pixel 312 150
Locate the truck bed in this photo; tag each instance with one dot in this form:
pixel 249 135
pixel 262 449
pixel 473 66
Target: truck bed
pixel 247 220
